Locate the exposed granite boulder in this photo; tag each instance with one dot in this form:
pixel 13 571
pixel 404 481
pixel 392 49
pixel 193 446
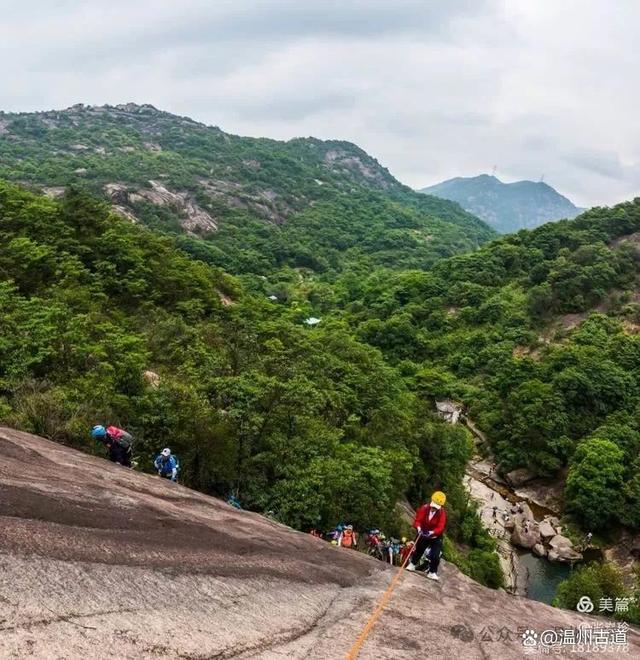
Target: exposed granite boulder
pixel 152 378
pixel 522 512
pixel 546 530
pixel 449 411
pixel 520 477
pixel 525 536
pixel 561 549
pixel 539 550
pixel 559 541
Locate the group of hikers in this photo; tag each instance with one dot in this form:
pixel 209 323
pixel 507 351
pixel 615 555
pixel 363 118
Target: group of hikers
pixel 423 554
pixel 119 446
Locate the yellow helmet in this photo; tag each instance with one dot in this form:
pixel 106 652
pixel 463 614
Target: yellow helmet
pixel 334 542
pixel 439 498
pixel 404 539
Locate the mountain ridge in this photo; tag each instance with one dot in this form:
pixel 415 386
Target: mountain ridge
pixel 507 207
pixel 259 203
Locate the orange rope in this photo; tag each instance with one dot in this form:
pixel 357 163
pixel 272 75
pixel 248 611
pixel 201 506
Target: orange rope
pixel 366 631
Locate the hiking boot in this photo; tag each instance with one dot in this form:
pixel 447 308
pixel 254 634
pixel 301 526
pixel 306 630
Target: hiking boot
pixel 411 567
pixel 433 576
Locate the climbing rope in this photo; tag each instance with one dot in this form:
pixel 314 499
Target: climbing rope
pixel 382 603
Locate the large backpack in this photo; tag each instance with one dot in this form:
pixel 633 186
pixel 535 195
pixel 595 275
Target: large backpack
pixel 123 439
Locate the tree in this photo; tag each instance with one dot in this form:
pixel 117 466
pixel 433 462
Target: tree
pixel 594 490
pixel 595 581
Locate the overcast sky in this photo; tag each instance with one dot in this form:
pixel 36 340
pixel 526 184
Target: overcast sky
pixel 432 89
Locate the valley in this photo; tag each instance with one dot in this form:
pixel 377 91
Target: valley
pixel 168 247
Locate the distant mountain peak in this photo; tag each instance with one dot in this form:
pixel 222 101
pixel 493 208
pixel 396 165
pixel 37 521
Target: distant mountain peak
pixel 507 207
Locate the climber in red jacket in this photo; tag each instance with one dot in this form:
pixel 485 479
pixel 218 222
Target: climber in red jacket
pixel 429 522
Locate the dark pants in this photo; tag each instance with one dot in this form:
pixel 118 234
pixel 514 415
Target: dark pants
pixel 422 544
pixel 120 456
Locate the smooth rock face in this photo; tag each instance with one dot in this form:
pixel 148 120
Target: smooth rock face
pixel 97 562
pixel 559 541
pixel 562 549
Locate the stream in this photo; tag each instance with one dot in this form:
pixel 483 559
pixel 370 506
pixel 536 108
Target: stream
pixel 543 576
pixel 525 573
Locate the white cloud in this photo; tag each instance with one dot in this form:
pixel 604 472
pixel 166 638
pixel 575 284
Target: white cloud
pixel 431 89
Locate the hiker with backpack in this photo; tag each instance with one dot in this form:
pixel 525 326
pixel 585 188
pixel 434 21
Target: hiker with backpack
pixel 167 465
pixel 348 538
pixel 117 442
pixel 429 522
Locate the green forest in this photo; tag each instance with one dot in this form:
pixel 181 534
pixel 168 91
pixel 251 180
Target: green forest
pixel 310 423
pixel 304 203
pixel 536 334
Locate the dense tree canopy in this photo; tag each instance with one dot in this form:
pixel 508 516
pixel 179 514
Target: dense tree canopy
pixel 537 334
pixel 306 422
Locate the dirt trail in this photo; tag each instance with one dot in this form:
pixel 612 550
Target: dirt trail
pixel 100 562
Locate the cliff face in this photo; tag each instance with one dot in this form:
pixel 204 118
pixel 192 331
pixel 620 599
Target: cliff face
pixel 97 561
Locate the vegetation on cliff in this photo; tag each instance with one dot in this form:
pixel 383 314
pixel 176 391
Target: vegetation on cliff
pixel 307 422
pixel 259 204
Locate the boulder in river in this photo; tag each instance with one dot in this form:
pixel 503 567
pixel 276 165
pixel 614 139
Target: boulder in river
pixel 559 541
pixel 525 536
pixel 546 530
pixel 564 553
pixel 562 549
pixel 539 550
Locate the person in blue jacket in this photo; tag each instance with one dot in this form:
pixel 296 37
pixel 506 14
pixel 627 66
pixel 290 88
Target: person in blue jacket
pixel 167 465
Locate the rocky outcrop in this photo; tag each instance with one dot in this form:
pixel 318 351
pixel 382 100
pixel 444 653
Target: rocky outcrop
pixel 519 477
pixel 193 217
pixel 561 549
pixel 97 561
pixel 525 536
pixel 539 550
pixel 545 493
pixel 362 165
pixel 449 411
pixel 491 508
pixel 152 378
pixel 543 538
pixel 546 530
